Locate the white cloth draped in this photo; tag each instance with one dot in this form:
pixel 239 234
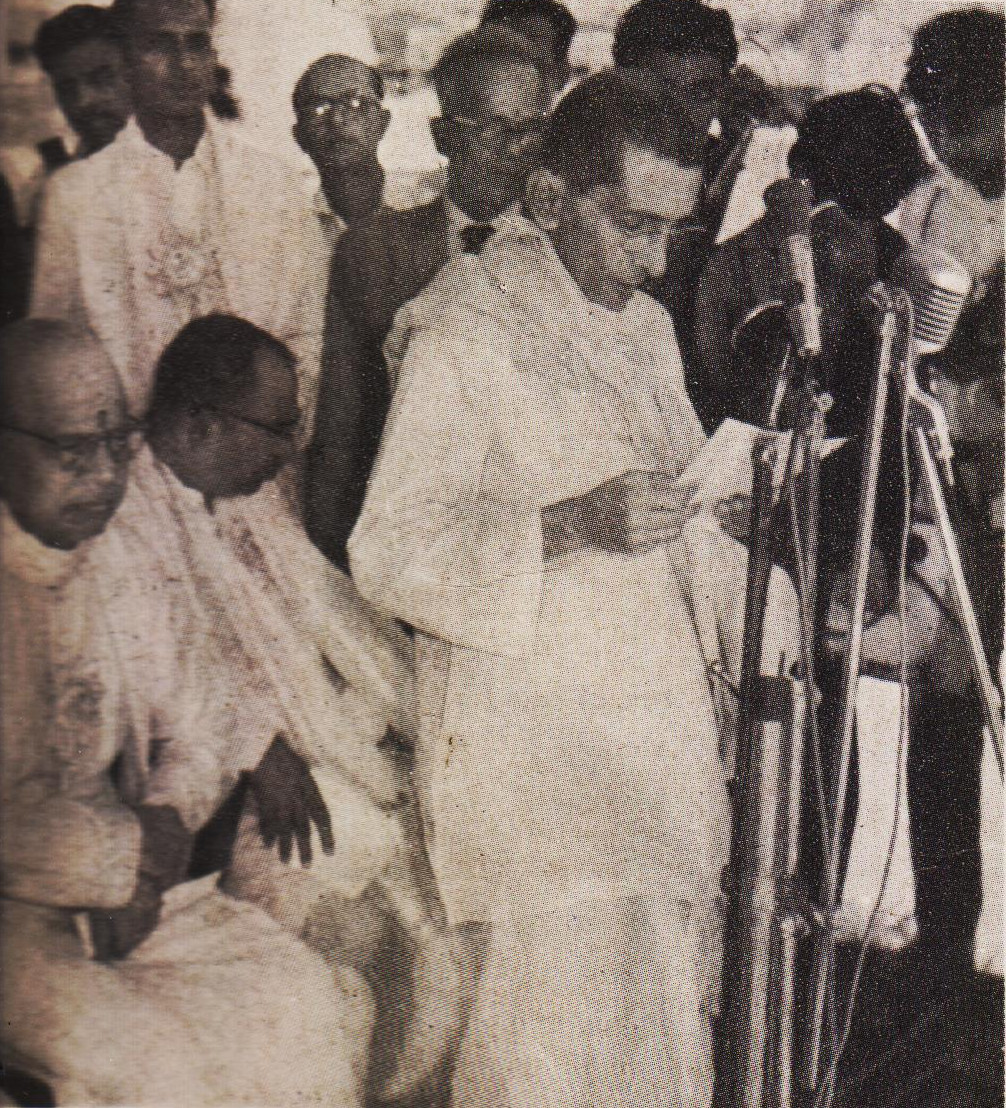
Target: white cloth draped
pixel 133 247
pixel 218 1006
pixel 568 755
pixel 295 651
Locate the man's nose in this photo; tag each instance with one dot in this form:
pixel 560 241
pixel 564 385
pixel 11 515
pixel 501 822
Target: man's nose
pixel 186 59
pixel 653 254
pixel 103 471
pixel 89 97
pixel 349 127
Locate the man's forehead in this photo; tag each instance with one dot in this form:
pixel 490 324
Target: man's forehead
pixel 62 388
pixel 86 55
pixel 510 88
pixel 167 15
pixel 656 185
pixel 335 77
pixel 274 385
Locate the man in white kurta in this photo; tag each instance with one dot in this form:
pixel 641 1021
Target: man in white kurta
pixel 123 983
pixel 304 664
pixel 178 217
pixel 569 759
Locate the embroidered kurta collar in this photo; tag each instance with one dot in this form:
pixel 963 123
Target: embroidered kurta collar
pixel 203 157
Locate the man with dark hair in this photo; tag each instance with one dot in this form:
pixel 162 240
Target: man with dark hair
pixel 957 79
pixel 548 22
pixel 692 50
pixel 176 217
pixel 80 53
pixel 340 121
pixel 312 681
pixel 862 158
pixel 527 517
pixel 493 92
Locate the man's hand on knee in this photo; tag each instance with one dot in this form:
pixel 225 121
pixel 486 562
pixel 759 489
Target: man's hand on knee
pixel 289 803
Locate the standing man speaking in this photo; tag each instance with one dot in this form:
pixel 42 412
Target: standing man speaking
pixel 525 517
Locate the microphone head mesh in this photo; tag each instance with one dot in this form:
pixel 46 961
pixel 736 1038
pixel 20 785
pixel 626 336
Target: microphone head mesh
pixel 939 286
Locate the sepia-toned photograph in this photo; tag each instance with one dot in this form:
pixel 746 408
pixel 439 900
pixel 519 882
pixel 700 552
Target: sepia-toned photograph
pixel 502 553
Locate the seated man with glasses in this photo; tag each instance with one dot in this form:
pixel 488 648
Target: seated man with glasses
pixel 122 982
pixel 494 89
pixel 340 122
pixel 314 683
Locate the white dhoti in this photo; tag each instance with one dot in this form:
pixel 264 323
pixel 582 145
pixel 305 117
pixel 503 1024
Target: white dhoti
pixel 218 1007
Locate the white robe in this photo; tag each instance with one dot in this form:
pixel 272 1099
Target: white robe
pixel 102 712
pixel 134 248
pixel 298 652
pixel 568 756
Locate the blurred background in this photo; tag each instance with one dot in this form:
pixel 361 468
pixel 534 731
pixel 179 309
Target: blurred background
pixel 800 47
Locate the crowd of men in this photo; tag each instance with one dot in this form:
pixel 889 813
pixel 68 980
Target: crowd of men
pixel 368 644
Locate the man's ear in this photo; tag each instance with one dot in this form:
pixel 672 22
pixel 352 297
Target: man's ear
pixel 443 136
pixel 547 197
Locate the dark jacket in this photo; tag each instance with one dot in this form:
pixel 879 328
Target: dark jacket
pixel 378 265
pixel 747 271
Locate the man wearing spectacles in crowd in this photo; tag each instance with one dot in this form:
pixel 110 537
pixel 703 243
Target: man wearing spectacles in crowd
pixel 340 121
pixel 494 89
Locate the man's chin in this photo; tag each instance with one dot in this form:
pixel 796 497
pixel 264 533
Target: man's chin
pixel 99 133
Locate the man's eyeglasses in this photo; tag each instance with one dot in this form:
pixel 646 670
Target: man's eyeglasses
pixel 344 107
pixel 286 432
pixel 77 454
pixel 500 130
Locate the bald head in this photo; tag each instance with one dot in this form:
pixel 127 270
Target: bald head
pixel 55 377
pixel 340 123
pixel 63 457
pixel 334 74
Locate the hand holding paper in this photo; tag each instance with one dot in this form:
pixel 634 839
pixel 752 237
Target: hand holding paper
pixel 723 470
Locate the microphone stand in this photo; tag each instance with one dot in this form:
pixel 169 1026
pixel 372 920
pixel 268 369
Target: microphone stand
pixel 929 439
pixel 825 942
pixel 766 917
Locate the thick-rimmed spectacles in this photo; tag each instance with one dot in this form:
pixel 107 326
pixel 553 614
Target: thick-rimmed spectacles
pixel 286 431
pixel 344 107
pixel 500 130
pixel 78 454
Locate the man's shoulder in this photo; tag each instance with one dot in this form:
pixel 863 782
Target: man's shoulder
pixel 276 181
pixel 85 179
pixel 383 232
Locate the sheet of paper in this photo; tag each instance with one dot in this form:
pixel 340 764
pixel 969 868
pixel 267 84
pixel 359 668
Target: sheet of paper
pixel 724 469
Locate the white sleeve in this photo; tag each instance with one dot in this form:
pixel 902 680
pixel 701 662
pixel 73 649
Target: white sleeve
pixel 188 733
pixel 438 545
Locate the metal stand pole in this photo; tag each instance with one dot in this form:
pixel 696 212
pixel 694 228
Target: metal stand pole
pixel 825 943
pixel 765 917
pixel 930 439
pixel 928 432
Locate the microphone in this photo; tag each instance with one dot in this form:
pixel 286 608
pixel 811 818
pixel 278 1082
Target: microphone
pixel 911 110
pixel 939 286
pixel 787 211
